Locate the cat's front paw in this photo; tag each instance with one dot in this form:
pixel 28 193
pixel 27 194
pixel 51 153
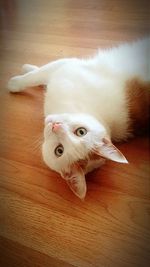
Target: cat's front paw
pixel 27 68
pixel 14 84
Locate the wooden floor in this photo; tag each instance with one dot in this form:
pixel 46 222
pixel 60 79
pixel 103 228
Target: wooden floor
pixel 42 224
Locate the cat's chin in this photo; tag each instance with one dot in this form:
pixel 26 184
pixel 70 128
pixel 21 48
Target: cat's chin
pixel 94 164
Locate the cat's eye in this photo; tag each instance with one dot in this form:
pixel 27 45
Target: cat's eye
pixel 59 150
pixel 81 131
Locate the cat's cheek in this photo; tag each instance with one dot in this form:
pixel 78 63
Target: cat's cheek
pixel 45 155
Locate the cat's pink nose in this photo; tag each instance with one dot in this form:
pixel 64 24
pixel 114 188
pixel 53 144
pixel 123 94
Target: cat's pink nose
pixel 56 126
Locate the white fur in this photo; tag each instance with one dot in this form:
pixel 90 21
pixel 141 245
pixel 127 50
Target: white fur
pixel 88 93
pixel 75 147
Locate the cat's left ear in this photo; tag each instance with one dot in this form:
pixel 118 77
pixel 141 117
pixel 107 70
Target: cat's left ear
pixel 110 151
pixel 76 181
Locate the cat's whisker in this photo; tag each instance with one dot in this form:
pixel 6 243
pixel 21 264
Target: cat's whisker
pixel 37 144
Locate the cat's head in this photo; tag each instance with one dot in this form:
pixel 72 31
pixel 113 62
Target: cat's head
pixel 71 141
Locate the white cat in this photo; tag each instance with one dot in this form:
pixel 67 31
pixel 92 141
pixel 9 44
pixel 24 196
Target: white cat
pixel 88 104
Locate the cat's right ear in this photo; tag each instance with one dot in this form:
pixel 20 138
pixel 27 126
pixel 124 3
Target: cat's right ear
pixel 76 181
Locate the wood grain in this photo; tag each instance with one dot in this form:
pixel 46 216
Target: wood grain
pixel 42 224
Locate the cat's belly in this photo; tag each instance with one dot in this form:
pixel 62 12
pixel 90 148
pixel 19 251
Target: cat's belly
pixel 105 102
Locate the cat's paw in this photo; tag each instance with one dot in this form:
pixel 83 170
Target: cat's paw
pixel 27 68
pixel 14 84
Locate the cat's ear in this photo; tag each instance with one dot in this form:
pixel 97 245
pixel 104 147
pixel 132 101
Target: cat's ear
pixel 76 181
pixel 109 151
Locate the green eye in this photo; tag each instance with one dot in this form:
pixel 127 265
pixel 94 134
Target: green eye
pixel 81 131
pixel 59 150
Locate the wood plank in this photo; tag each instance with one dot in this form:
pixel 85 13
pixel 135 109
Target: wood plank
pixel 21 256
